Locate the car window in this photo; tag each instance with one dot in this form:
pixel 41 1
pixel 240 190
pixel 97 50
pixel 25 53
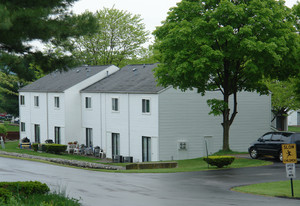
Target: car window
pixel 297 139
pixel 276 137
pixel 266 137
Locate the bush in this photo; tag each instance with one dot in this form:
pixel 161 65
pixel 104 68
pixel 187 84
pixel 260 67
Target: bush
pixel 3 129
pixel 4 195
pixel 55 148
pixel 25 188
pixel 35 146
pixel 219 161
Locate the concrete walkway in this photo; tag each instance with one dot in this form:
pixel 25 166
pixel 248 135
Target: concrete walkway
pixel 65 162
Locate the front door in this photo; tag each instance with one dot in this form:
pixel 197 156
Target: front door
pixel 146 149
pixel 115 144
pixel 37 135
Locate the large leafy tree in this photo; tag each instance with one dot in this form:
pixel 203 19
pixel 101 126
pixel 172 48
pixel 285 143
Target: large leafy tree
pixel 119 38
pixel 22 22
pixel 227 46
pixel 284 98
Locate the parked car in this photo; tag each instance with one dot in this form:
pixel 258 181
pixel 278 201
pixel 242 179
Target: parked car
pixel 270 144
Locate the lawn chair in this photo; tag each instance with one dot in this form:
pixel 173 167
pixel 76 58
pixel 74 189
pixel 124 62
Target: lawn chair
pixel 97 151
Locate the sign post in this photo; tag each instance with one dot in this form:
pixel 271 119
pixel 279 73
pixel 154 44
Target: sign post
pixel 289 158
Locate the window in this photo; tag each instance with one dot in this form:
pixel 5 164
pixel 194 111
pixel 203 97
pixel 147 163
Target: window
pixel 57 135
pixel 36 101
pixel 22 100
pixel 37 135
pixel 145 105
pixel 276 137
pixel 22 126
pixel 115 104
pixel 146 149
pixel 89 137
pixel 88 102
pixel 267 137
pixel 115 137
pixel 56 102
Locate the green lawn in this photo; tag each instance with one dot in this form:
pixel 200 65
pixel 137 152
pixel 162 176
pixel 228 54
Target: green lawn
pixel 274 189
pixel 294 129
pixel 183 165
pixel 11 127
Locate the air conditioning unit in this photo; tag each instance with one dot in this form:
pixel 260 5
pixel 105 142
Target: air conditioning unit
pixel 182 145
pixel 117 159
pixel 127 159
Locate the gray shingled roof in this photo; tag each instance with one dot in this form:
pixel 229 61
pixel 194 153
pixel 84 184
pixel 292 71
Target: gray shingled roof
pixel 60 81
pixel 136 79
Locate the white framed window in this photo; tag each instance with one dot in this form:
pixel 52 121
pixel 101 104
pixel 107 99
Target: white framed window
pixel 36 101
pixel 56 102
pixel 22 100
pixel 146 106
pixel 23 128
pixel 115 104
pixel 88 102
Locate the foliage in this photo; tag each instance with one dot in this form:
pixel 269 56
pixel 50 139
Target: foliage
pixel 3 129
pixel 55 148
pixel 4 195
pixel 219 161
pixel 35 146
pixel 45 21
pixel 119 38
pixel 284 97
pixel 226 46
pixel 25 188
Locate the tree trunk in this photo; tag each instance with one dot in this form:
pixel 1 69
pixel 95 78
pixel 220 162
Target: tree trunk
pixel 226 124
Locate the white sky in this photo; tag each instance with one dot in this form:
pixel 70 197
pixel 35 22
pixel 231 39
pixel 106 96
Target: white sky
pixel 151 11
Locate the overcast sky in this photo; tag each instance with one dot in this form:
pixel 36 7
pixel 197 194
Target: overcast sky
pixel 151 11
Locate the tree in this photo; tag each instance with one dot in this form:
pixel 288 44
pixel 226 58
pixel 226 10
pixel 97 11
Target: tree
pixel 284 97
pixel 21 22
pixel 118 39
pixel 227 46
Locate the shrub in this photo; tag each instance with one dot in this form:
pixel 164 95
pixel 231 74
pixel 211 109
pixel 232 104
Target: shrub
pixel 4 195
pixel 3 129
pixel 35 146
pixel 25 188
pixel 55 148
pixel 219 161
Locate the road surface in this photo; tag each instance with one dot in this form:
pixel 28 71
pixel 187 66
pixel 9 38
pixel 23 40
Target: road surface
pixel 207 188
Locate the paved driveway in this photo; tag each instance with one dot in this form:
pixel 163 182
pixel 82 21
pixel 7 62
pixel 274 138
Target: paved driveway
pixel 207 188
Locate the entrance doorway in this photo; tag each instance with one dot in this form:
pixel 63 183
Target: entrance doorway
pixel 146 149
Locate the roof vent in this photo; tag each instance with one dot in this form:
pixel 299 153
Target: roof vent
pixel 107 73
pixel 144 65
pixel 134 69
pixel 78 70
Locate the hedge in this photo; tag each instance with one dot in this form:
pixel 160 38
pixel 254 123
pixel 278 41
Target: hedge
pixel 25 188
pixel 219 161
pixel 49 148
pixel 5 194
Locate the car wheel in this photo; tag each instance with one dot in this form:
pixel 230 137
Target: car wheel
pixel 253 153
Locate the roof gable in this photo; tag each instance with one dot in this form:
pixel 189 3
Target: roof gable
pixel 137 79
pixel 60 81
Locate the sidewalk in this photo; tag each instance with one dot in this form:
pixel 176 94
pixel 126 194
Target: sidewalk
pixel 75 163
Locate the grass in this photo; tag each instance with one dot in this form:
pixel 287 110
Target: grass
pixel 274 189
pixel 11 127
pixel 183 165
pixel 294 129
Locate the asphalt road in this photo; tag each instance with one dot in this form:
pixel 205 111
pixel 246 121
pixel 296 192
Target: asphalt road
pixel 207 188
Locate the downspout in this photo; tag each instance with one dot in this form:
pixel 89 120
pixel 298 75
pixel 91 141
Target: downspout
pixel 47 116
pixel 101 125
pixel 128 123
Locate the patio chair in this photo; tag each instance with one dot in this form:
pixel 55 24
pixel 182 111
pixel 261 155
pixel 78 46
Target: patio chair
pixel 97 151
pixel 88 151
